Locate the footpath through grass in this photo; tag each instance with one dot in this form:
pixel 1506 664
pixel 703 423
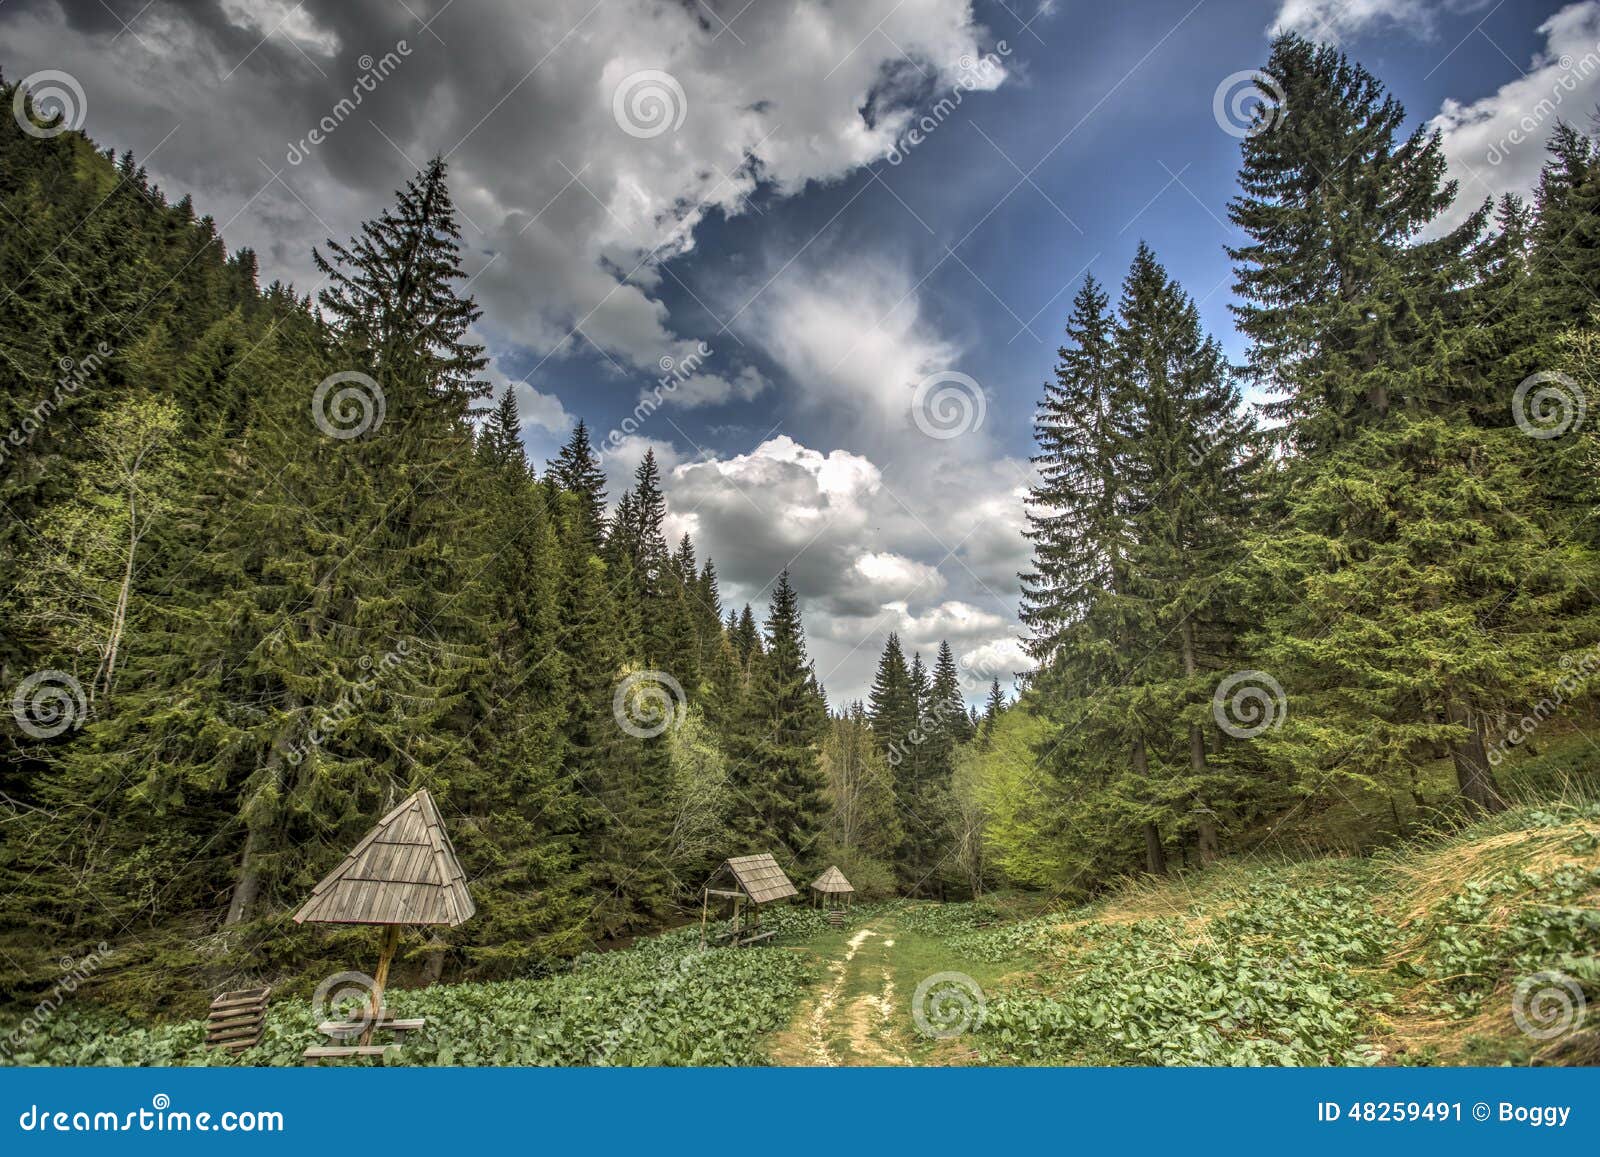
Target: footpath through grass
pixel 1479 949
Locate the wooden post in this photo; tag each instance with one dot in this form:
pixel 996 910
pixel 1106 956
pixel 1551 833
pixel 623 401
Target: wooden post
pixel 380 979
pixel 705 911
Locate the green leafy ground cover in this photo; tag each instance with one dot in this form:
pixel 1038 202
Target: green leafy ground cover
pixel 1410 956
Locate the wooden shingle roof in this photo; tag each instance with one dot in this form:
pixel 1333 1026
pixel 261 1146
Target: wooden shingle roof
pixel 832 881
pixel 404 871
pixel 760 877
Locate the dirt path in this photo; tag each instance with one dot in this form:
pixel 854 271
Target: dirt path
pixel 850 1021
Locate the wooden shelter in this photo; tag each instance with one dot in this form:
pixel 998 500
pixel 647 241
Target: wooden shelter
pixel 755 880
pixel 404 871
pixel 832 888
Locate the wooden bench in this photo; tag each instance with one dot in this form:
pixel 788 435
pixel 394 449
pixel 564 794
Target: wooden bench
pixel 345 1029
pixel 749 940
pixel 342 1031
pixel 343 1052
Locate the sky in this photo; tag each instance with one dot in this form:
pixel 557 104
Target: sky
pixel 829 246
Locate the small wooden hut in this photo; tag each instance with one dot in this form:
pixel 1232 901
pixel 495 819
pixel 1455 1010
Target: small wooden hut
pixel 755 880
pixel 404 871
pixel 832 889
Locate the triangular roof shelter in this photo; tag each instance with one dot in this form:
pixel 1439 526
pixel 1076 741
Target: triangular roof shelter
pixel 758 880
pixel 404 871
pixel 832 881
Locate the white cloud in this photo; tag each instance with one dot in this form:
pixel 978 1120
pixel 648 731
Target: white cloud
pixel 865 560
pixel 948 620
pixel 543 411
pixel 269 16
pixel 851 329
pixel 567 226
pixel 713 389
pixel 999 658
pixel 895 576
pixel 1496 145
pixel 1334 20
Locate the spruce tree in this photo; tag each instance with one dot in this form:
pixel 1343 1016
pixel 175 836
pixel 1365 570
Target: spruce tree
pixel 1190 471
pixel 1338 289
pixel 747 640
pixel 775 776
pixel 891 707
pixel 500 442
pixel 1072 511
pixel 1430 599
pixel 994 706
pixel 577 471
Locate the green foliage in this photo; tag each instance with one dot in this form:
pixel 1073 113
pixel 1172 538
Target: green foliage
pixel 665 1002
pixel 1554 921
pixel 1276 980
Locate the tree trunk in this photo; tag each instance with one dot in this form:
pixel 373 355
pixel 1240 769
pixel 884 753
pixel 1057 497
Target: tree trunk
pixel 1155 857
pixel 1471 758
pixel 433 962
pixel 247 890
pixel 119 617
pixel 1205 823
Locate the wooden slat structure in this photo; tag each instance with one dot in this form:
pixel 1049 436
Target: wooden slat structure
pixel 757 880
pixel 236 1019
pixel 760 878
pixel 404 871
pixel 833 889
pixel 832 881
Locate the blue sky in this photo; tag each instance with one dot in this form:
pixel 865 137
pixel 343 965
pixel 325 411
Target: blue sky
pixel 638 178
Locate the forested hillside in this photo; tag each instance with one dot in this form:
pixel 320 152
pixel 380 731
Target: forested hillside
pixel 273 558
pixel 272 561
